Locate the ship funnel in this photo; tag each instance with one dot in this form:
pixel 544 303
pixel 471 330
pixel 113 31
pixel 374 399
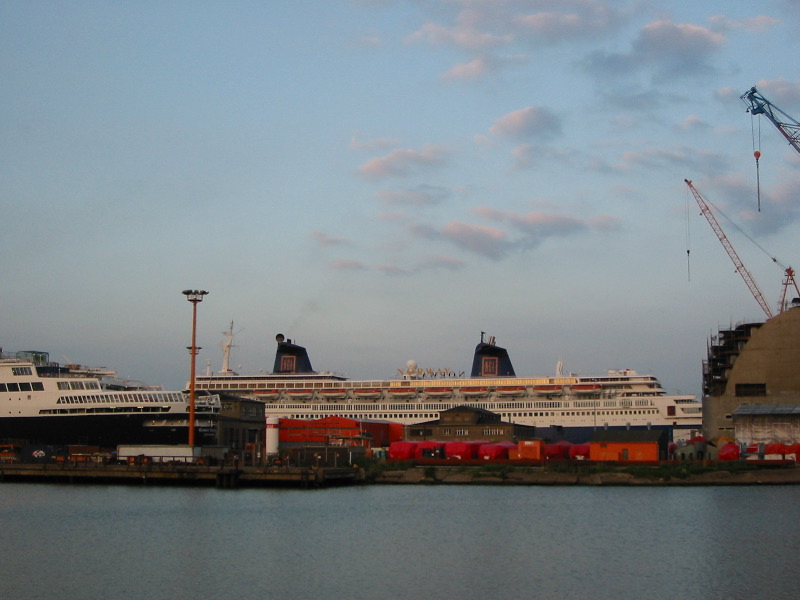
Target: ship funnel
pixel 491 360
pixel 290 358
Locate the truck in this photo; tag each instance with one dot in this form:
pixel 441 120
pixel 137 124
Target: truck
pixel 164 453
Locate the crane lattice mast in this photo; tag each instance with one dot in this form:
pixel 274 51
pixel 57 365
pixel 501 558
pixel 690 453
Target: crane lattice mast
pixel 737 262
pixel 787 125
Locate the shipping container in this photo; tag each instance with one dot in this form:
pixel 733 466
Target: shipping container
pixel 402 450
pixel 530 449
pixel 42 453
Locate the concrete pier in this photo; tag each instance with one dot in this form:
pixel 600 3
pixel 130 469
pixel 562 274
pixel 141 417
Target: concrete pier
pixel 223 477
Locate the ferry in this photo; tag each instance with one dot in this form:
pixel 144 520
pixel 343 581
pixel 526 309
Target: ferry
pixel 42 402
pixel 563 406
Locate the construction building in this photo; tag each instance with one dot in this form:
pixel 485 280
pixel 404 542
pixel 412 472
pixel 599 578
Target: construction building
pixel 752 364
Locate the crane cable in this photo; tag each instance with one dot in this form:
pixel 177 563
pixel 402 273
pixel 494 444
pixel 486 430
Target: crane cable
pixel 688 237
pixel 757 155
pixel 744 233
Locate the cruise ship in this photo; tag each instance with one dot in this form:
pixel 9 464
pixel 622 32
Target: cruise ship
pixel 42 402
pixel 563 406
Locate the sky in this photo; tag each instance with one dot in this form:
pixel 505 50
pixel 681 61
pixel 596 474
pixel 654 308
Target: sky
pixel 384 180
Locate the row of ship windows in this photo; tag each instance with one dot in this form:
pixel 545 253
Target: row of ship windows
pixel 22 386
pixel 104 410
pixel 18 371
pixel 116 399
pixel 306 385
pixel 504 415
pixel 493 406
pixel 79 385
pixel 486 431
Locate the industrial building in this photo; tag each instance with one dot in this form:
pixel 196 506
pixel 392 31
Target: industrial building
pixel 752 364
pixel 468 423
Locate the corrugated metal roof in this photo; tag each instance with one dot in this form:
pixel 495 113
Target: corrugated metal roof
pixel 767 409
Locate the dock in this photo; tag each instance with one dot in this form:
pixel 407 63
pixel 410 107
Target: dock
pixel 187 474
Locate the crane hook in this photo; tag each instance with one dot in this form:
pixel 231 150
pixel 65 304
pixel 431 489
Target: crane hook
pixel 757 155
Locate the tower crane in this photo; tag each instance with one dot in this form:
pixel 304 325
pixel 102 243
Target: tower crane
pixel 787 125
pixel 737 262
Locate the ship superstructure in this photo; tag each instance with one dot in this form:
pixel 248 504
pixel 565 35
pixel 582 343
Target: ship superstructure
pixel 566 406
pixel 42 402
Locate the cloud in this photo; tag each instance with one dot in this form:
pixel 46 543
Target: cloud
pixel 325 240
pixel 665 41
pixel 473 69
pixel 486 241
pixel 495 243
pixel 464 34
pixel 484 28
pixel 758 24
pixel 528 155
pixel 393 270
pixel 441 262
pixel 687 159
pixel 672 50
pixel 348 265
pixel 402 162
pixel 526 123
pixel 421 195
pixel 371 145
pixel 779 90
pixel 428 263
pixel 483 65
pixel 538 226
pixel 693 123
pixel 576 20
pixel 734 200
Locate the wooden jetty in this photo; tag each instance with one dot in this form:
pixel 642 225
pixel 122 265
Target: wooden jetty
pixel 153 473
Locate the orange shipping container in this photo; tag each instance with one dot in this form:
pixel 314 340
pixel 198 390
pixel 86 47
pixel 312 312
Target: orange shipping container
pixel 530 449
pixel 623 451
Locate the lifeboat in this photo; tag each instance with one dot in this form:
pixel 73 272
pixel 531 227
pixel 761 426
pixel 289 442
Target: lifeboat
pixel 439 392
pixel 475 391
pixel 333 393
pixel 402 392
pixel 267 393
pixel 586 387
pixel 511 390
pixel 367 392
pixel 299 393
pixel 548 389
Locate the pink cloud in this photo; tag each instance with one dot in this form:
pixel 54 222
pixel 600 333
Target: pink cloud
pixel 326 240
pixel 527 122
pixel 402 162
pixel 487 241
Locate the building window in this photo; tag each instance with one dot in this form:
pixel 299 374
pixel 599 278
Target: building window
pixel 751 389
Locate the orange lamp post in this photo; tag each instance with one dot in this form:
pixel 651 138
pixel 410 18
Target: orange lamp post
pixel 195 297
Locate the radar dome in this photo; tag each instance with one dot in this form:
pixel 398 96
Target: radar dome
pixel 411 365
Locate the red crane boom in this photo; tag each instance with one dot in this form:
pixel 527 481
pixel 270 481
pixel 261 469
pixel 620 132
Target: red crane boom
pixel 737 262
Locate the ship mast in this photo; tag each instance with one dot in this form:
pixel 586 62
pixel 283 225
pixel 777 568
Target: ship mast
pixel 226 350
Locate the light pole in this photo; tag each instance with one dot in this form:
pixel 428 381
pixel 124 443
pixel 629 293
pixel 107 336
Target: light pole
pixel 193 296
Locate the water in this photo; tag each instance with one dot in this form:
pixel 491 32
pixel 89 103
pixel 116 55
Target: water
pixel 404 542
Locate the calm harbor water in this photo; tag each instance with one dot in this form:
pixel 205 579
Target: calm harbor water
pixel 399 542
